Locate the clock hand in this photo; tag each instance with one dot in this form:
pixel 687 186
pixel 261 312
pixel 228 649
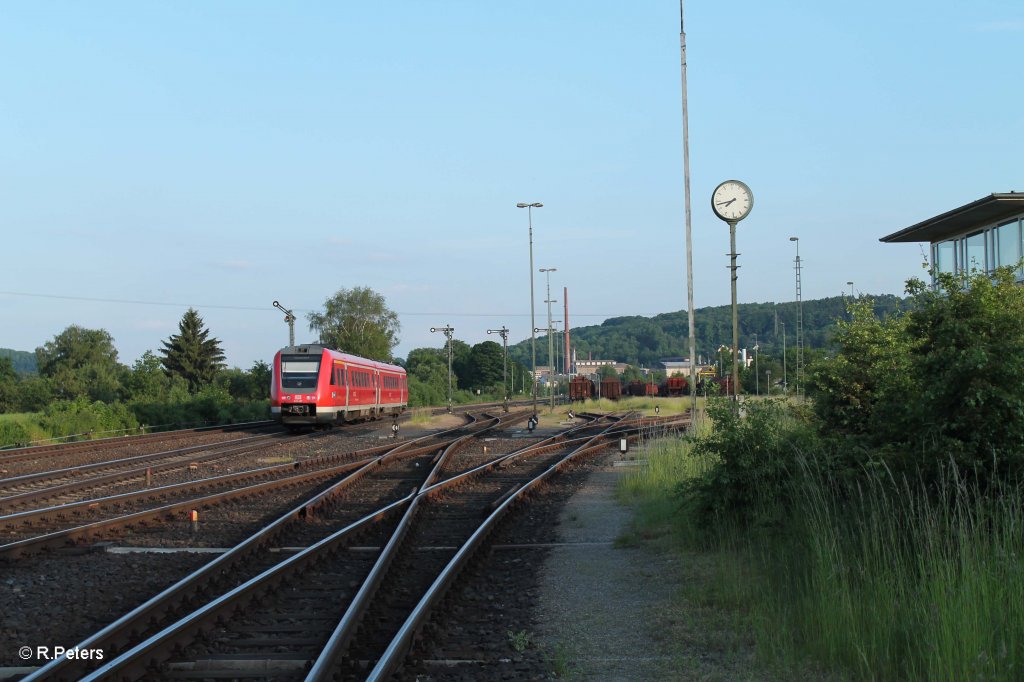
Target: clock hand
pixel 726 203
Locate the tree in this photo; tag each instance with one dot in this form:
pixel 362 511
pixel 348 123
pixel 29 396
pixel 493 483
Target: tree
pixel 968 367
pixel 253 384
pixel 148 381
pixel 462 363
pixel 859 391
pixel 81 362
pixel 487 362
pixel 357 321
pixel 191 353
pixel 427 369
pixel 8 386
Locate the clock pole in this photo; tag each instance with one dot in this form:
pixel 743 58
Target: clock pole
pixel 732 201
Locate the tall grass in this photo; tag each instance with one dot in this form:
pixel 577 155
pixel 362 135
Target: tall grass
pixel 888 581
pixel 876 579
pixel 640 404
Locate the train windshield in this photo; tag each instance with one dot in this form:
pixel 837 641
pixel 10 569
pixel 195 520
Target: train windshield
pixel 299 372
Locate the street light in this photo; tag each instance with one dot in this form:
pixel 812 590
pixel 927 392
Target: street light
pixel 551 349
pixel 447 330
pixel 504 340
pixel 533 321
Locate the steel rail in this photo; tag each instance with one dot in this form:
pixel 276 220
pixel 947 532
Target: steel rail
pixel 8 455
pixel 344 632
pixel 143 654
pixel 400 644
pixel 120 632
pixel 29 516
pixel 346 627
pixel 69 536
pixel 86 468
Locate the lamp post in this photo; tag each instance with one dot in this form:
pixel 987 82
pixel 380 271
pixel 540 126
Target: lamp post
pixel 289 317
pixel 533 321
pixel 447 330
pixel 769 373
pixel 504 376
pixel 551 349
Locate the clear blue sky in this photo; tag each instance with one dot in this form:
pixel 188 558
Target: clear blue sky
pixel 223 155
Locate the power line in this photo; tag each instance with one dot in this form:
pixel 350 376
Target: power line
pixel 125 301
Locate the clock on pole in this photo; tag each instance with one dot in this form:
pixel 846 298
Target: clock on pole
pixel 731 201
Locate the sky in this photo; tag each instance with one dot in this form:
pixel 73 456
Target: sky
pixel 156 156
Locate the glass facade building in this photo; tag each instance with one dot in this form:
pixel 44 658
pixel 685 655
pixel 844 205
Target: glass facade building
pixel 983 250
pixel 977 237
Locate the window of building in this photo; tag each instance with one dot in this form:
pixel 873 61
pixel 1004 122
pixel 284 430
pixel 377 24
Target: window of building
pixel 974 252
pixel 1008 240
pixel 945 261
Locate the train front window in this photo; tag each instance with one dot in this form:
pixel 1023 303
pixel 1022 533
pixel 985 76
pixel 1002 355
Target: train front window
pixel 299 372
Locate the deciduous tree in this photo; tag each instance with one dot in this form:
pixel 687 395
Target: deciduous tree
pixel 357 321
pixel 81 362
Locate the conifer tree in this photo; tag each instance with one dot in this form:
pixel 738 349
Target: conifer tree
pixel 191 353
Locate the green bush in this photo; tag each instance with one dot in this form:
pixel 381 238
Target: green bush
pixel 751 459
pixel 19 430
pixel 80 417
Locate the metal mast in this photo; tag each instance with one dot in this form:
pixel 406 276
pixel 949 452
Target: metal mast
pixel 799 320
pixel 689 230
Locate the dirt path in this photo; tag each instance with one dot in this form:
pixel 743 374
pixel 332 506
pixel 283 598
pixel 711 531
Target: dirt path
pixel 614 612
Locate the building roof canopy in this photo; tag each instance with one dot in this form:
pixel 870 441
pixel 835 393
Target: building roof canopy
pixel 984 211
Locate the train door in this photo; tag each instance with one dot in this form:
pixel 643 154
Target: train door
pixel 377 389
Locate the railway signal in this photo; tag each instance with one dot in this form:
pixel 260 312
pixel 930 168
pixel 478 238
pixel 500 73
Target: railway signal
pixel 504 340
pixel 447 330
pixel 289 317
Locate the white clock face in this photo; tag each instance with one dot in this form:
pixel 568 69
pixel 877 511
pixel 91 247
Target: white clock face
pixel 732 200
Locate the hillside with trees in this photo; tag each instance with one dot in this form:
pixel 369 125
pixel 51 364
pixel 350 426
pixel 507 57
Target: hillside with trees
pixel 22 361
pixel 644 341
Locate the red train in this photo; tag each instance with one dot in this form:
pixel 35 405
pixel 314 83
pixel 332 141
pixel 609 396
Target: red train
pixel 313 385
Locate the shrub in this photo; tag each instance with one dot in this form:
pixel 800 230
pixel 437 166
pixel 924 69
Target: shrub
pixel 750 461
pixel 80 416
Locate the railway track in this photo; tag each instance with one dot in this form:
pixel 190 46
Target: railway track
pixel 358 587
pixel 35 452
pixel 71 524
pixel 304 523
pixel 22 491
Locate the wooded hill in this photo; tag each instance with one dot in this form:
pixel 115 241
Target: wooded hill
pixel 24 361
pixel 643 341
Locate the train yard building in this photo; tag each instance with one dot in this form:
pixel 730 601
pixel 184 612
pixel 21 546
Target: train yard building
pixel 982 235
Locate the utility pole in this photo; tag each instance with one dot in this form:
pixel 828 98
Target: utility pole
pixel 689 230
pixel 551 347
